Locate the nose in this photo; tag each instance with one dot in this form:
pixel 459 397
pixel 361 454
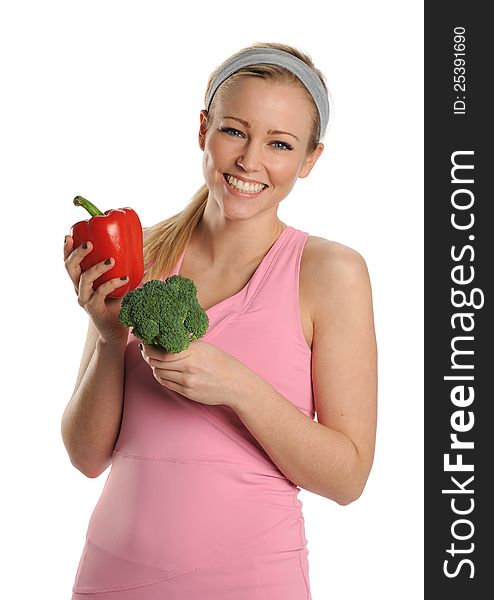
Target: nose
pixel 249 160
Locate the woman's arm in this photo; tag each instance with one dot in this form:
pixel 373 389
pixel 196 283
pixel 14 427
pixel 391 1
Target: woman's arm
pixel 344 363
pixel 333 456
pixel 91 421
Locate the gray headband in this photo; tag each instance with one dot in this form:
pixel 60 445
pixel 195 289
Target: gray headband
pixel 255 56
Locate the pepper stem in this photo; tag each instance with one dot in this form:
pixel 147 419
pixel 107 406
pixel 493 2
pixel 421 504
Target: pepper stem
pixel 89 206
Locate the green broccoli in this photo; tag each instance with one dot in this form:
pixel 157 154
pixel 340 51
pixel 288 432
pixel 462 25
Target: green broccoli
pixel 165 313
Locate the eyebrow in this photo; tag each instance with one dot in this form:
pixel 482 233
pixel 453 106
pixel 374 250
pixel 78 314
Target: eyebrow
pixel 270 131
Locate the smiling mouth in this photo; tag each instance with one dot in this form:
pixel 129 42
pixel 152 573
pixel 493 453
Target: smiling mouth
pixel 244 186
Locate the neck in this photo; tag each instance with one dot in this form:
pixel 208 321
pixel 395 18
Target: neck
pixel 232 245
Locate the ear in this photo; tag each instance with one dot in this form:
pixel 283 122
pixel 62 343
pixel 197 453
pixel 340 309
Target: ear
pixel 202 128
pixel 311 160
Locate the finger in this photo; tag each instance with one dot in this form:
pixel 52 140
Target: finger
pixel 169 376
pixel 173 374
pixel 74 256
pixel 159 353
pixel 171 385
pixel 147 350
pixel 73 261
pixel 87 278
pixel 67 246
pixel 99 295
pixel 86 289
pixel 165 360
pixel 170 357
pixel 162 356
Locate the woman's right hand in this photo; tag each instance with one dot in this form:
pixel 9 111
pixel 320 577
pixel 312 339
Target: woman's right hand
pixel 102 310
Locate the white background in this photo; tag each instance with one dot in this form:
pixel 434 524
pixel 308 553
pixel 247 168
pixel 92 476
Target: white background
pixel 102 99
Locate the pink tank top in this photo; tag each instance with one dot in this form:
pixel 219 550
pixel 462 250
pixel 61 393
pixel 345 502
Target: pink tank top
pixel 189 484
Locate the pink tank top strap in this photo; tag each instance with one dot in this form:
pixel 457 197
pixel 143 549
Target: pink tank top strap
pixel 279 285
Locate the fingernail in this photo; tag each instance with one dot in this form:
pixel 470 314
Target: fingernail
pixel 84 245
pixel 141 347
pixel 108 261
pixel 124 277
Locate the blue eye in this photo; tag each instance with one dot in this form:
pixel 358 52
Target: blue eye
pixel 286 146
pixel 231 131
pixel 228 130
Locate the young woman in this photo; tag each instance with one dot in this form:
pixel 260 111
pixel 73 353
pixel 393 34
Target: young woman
pixel 210 447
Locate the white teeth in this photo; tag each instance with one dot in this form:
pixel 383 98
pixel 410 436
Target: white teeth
pixel 244 186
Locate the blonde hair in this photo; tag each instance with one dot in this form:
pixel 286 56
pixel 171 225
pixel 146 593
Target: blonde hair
pixel 165 241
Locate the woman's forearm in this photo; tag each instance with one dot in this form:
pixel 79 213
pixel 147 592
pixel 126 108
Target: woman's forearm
pixel 91 421
pixel 314 457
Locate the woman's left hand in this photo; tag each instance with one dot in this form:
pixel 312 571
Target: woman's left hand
pixel 202 372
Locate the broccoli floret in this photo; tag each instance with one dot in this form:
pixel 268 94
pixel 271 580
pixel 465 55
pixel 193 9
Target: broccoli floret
pixel 165 313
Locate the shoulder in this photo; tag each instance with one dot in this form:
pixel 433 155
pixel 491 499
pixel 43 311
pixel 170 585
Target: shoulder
pixel 330 254
pixel 330 272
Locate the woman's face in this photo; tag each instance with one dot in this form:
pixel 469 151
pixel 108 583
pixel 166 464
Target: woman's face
pixel 241 143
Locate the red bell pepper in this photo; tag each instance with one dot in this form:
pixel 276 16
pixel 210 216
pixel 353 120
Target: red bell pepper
pixel 116 233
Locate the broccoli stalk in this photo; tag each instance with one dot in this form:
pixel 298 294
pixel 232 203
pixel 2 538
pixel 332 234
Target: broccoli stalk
pixel 165 313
